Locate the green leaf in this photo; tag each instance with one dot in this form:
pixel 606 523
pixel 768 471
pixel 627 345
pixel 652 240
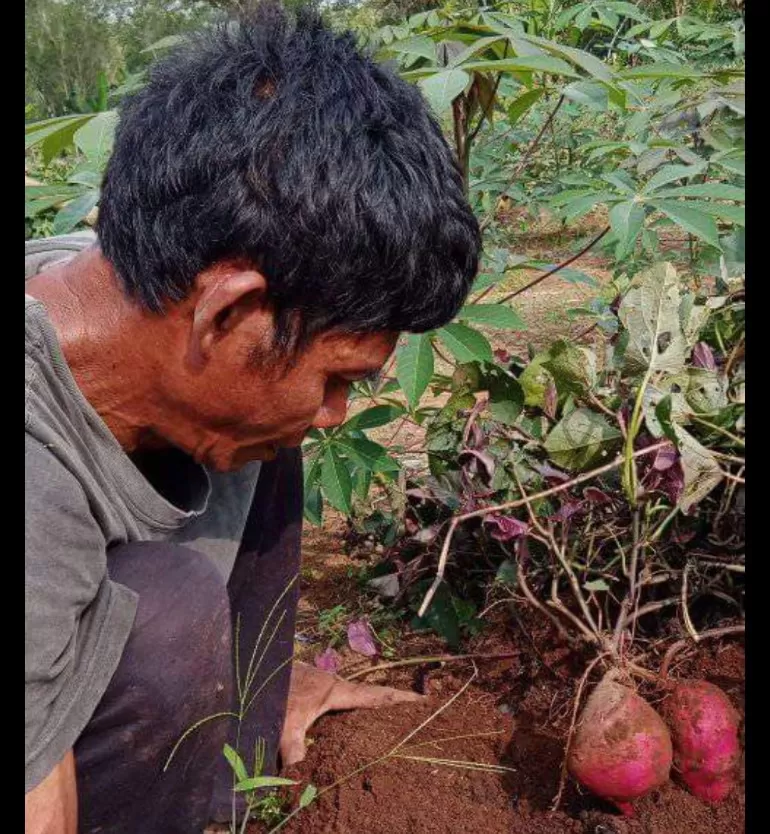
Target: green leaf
pixel 465 344
pixel 593 66
pixel 255 782
pixel 707 190
pixel 582 439
pixel 722 211
pixel 627 220
pixel 419 45
pixel 366 453
pixel 663 416
pixel 573 368
pixel 701 469
pixel 54 134
pixel 650 313
pixel 596 585
pixel 308 795
pixel 69 217
pixel 95 138
pixel 372 418
pixel 671 173
pixel 443 88
pixel 534 379
pixel 313 506
pixel 414 366
pixel 236 763
pixel 662 69
pixel 335 481
pixel 696 222
pixel 492 315
pixel 506 396
pixel 590 93
pixel 523 104
pixel 533 63
pixel 87 177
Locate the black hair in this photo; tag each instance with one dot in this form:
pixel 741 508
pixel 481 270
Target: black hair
pixel 280 143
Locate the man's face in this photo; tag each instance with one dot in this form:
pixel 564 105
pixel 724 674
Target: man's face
pixel 238 410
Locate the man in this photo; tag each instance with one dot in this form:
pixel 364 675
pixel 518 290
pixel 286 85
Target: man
pixel 277 209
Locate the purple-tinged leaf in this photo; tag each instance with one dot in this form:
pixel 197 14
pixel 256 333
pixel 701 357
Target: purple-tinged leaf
pixel 476 457
pixel 360 638
pixel 328 661
pixel 703 357
pixel 507 527
pixel 567 510
pixel 550 399
pixel 665 458
pixel 596 496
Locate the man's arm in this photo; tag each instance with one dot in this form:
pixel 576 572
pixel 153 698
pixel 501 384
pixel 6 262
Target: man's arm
pixel 52 806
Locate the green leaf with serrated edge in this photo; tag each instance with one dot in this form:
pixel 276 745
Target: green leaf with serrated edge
pixel 308 795
pixel 492 315
pixel 696 222
pixel 236 763
pixel 582 439
pixel 414 366
pixel 255 782
pixel 649 312
pixel 465 343
pixel 442 88
pixel 626 220
pixel 335 481
pixel 374 417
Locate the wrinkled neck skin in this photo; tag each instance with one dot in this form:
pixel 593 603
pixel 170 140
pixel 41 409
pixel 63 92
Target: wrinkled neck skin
pixel 113 347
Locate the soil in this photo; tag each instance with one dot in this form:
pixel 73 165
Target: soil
pixel 515 713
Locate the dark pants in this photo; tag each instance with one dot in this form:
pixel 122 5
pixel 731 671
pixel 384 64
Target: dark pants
pixel 177 668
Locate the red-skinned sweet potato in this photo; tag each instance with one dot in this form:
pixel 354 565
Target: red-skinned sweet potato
pixel 704 730
pixel 622 748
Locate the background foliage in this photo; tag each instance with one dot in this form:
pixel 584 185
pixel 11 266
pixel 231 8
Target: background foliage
pixel 632 113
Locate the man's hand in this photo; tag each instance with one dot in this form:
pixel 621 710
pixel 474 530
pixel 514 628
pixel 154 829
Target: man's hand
pixel 313 692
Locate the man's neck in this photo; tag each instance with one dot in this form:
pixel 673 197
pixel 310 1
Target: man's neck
pixel 104 338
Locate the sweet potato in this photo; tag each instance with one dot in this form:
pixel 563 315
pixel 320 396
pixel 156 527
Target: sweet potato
pixel 622 748
pixel 704 730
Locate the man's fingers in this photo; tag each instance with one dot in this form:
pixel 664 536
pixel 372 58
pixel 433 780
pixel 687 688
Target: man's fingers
pixel 346 695
pixel 292 746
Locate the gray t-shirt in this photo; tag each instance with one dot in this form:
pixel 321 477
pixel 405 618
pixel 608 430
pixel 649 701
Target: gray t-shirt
pixel 84 495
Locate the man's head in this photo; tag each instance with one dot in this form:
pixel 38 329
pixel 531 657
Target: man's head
pixel 293 207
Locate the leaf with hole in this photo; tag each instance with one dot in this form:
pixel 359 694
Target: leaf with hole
pixel 582 439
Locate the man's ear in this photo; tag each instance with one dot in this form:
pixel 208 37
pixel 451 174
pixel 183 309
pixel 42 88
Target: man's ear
pixel 226 294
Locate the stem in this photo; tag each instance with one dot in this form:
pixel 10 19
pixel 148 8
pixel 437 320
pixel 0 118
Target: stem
pixel 629 469
pixel 510 505
pixel 556 269
pixel 440 658
pixel 704 635
pixel 525 159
